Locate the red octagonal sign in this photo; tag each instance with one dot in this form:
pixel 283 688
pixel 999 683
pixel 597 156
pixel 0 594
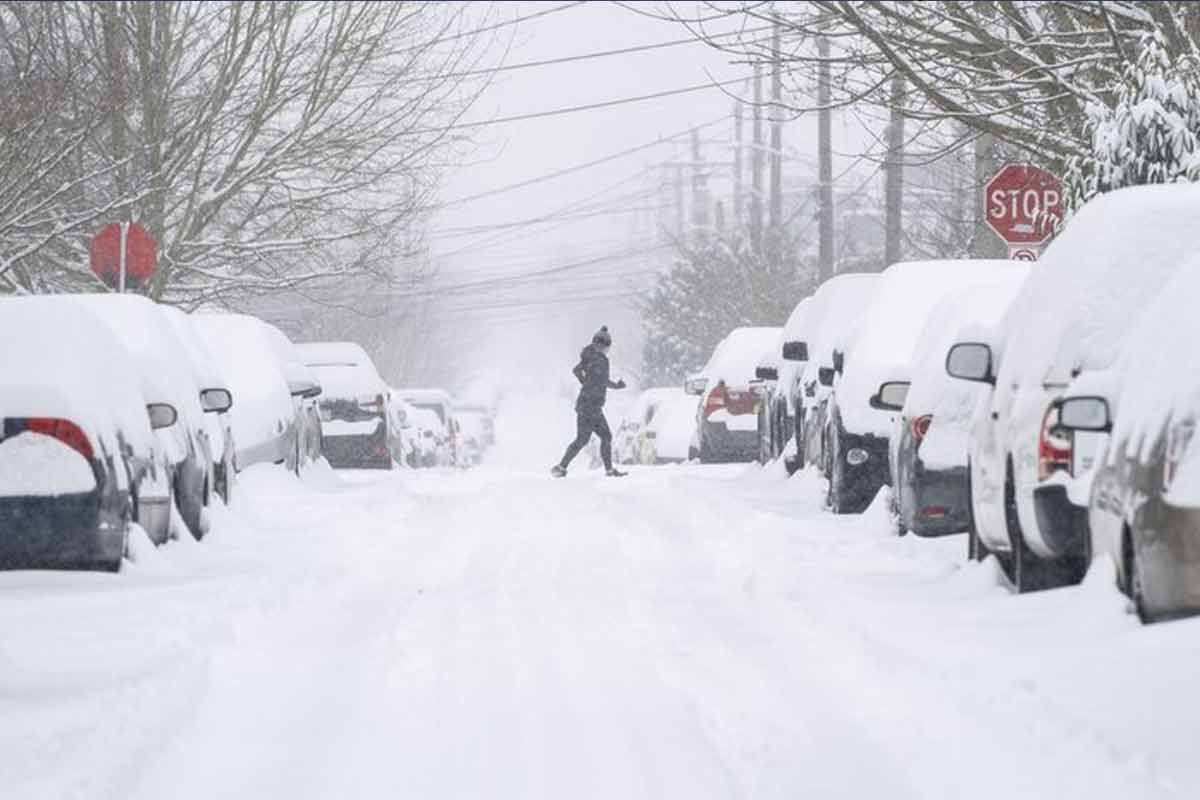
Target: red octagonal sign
pixel 141 255
pixel 1024 204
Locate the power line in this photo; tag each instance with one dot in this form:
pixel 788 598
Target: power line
pixel 579 167
pixel 496 26
pixel 470 230
pixel 555 112
pixel 598 54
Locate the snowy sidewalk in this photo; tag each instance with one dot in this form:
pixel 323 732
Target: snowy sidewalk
pixel 681 633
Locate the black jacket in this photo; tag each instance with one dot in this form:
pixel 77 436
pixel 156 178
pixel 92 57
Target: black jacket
pixel 592 372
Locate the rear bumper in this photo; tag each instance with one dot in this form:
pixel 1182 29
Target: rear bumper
pixel 723 444
pixel 938 502
pixel 64 532
pixel 357 452
pixel 1062 524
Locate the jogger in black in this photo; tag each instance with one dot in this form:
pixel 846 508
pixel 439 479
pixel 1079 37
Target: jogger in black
pixel 592 372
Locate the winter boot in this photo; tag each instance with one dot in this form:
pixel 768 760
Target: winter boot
pixel 558 471
pixel 613 472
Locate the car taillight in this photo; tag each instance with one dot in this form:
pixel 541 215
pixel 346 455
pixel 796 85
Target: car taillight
pixel 1179 438
pixel 64 430
pixel 716 399
pixel 1054 446
pixel 920 427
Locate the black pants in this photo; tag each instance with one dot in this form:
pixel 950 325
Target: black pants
pixel 587 422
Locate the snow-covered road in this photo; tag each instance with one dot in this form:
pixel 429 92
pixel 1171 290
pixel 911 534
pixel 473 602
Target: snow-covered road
pixel 687 632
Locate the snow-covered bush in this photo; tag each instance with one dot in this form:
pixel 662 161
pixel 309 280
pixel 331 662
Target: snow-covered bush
pixel 1150 134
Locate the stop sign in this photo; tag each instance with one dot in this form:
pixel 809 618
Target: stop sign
pixel 1023 204
pixel 141 254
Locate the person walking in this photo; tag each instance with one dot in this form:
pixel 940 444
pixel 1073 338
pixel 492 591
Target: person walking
pixel 592 371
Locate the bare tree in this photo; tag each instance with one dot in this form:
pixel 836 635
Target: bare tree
pixel 266 145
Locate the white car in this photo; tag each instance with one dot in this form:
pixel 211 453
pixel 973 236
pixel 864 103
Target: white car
pixel 1029 476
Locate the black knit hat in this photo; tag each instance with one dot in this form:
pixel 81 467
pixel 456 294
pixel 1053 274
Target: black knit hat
pixel 602 337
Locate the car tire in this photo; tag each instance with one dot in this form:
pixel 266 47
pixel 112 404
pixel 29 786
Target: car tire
pixel 1028 572
pixel 1132 584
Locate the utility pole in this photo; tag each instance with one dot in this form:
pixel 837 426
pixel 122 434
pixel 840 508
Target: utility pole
pixel 737 163
pixel 756 169
pixel 776 207
pixel 699 189
pixel 680 219
pixel 825 254
pixel 893 177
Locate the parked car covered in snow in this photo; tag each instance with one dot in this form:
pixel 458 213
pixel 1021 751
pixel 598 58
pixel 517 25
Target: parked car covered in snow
pixel 265 424
pixel 779 376
pixel 433 440
pixel 353 405
pixel 883 352
pixel 305 388
pixel 631 443
pixel 1029 475
pixel 441 404
pixel 215 397
pixel 169 377
pixel 834 316
pixel 79 460
pixel 930 490
pixel 726 427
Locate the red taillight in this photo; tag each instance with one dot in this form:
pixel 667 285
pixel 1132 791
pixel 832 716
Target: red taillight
pixel 65 431
pixel 933 512
pixel 715 400
pixel 1054 446
pixel 920 427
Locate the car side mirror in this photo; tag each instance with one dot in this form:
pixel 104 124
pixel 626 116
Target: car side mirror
pixel 162 415
pixel 795 351
pixel 695 386
pixel 971 361
pixel 766 374
pixel 825 376
pixel 216 401
pixel 1085 414
pixel 839 362
pixel 810 390
pixel 891 396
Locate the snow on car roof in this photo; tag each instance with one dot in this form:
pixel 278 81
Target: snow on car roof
pixel 150 338
pixel 261 400
pixel 1112 257
pixel 933 390
pixel 738 354
pixel 886 346
pixel 838 307
pixel 427 396
pixel 78 370
pixel 1158 369
pixel 343 368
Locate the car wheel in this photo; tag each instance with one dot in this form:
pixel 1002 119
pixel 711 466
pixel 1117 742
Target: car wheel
pixel 1028 573
pixel 1133 586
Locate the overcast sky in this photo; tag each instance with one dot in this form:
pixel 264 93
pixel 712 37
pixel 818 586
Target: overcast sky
pixel 544 323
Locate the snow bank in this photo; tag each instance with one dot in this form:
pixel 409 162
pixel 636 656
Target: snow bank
pixel 952 402
pixel 886 347
pixel 32 464
pixel 738 355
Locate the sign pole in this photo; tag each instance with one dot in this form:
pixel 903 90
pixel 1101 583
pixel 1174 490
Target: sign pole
pixel 124 242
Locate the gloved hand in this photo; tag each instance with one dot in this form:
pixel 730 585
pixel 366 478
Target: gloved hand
pixel 620 384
